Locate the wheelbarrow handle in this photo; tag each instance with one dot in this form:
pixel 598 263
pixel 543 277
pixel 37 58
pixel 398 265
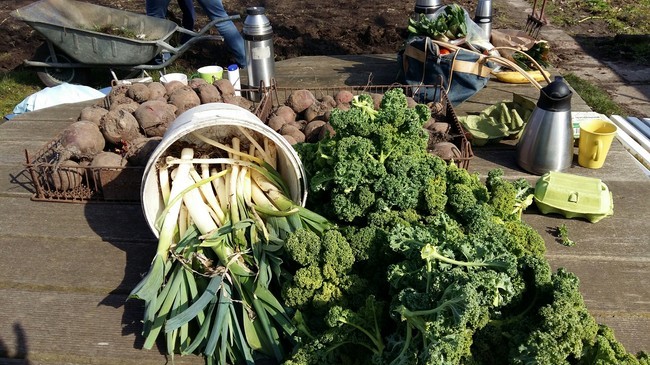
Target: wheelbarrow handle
pixel 196 36
pixel 207 27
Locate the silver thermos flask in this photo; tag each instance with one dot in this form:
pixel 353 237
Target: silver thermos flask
pixel 258 41
pixel 483 17
pixel 427 8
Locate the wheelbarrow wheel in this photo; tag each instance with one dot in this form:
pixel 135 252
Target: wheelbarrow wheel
pixel 53 76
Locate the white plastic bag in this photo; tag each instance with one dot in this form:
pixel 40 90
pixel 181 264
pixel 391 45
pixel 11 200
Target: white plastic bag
pixel 55 95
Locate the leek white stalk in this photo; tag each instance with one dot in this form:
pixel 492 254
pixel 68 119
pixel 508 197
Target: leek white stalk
pixel 183 221
pixel 163 181
pixel 170 221
pixel 271 150
pixel 232 194
pixel 208 194
pixel 199 210
pixel 221 189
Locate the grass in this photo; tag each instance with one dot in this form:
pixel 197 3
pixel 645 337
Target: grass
pixel 597 98
pixel 16 86
pixel 621 17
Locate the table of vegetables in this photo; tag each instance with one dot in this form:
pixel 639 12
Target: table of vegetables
pixel 399 255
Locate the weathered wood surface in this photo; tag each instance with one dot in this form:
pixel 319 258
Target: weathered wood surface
pixel 66 269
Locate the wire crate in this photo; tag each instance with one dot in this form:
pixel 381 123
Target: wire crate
pixel 120 184
pixel 445 112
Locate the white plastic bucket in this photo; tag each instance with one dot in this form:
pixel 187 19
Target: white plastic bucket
pixel 219 121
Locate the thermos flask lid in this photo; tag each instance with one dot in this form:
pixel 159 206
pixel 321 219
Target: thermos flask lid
pixel 255 10
pixel 556 96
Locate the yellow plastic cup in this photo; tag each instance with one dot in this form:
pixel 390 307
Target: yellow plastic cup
pixel 210 73
pixel 596 137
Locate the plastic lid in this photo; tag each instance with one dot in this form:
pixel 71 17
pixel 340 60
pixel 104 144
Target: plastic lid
pixel 255 10
pixel 555 96
pixel 233 67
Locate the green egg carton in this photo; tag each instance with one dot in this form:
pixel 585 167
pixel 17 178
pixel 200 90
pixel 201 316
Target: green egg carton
pixel 573 196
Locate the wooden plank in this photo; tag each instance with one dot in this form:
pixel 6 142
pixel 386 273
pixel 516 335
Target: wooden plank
pixel 61 221
pixel 64 112
pixel 334 71
pixel 73 266
pixel 12 152
pixel 15 181
pixel 41 130
pixel 51 327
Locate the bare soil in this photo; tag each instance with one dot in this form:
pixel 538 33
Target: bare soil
pixel 300 28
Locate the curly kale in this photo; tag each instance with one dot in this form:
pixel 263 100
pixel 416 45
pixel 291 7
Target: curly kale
pixel 352 335
pixel 524 239
pixel 318 270
pixel 427 264
pixel 376 161
pixel 467 196
pixel 553 326
pixel 563 327
pixel 607 350
pixel 508 199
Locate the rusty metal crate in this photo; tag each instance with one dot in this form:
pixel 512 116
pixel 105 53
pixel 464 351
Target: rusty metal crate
pixel 106 184
pixel 278 96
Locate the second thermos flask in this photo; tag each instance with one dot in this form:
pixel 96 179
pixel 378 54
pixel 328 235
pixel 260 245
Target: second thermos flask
pixel 260 57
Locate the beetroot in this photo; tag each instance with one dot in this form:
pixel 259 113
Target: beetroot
pixel 81 140
pixel 154 116
pixel 300 100
pixel 119 126
pixel 66 176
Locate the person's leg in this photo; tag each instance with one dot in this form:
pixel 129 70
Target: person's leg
pixel 233 39
pixel 189 16
pixel 156 8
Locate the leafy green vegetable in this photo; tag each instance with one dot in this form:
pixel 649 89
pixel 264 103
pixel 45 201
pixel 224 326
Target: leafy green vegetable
pixel 447 272
pixel 448 25
pixel 563 236
pixel 377 161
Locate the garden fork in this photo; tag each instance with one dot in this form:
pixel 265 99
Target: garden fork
pixel 536 20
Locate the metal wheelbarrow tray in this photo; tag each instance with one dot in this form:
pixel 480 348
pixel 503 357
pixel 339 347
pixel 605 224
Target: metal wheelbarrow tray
pixel 75 28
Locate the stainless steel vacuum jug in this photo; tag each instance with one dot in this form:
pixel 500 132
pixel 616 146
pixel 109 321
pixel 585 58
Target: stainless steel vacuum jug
pixel 546 143
pixel 260 57
pixel 483 17
pixel 426 7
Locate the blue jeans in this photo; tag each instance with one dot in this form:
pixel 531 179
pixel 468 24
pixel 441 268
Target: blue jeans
pixel 187 8
pixel 234 40
pixel 214 9
pixel 158 9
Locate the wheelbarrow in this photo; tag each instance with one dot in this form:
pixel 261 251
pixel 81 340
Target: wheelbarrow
pixel 80 36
